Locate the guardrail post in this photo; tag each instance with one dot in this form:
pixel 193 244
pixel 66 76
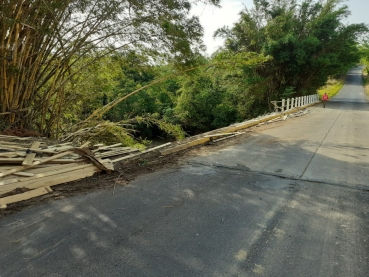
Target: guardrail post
pixel 288 104
pixel 282 107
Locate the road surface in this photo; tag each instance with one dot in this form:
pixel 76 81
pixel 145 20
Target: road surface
pixel 290 200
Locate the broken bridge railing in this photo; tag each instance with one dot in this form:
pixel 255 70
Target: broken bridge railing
pixel 291 103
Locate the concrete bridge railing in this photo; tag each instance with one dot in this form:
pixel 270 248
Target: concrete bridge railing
pixel 291 103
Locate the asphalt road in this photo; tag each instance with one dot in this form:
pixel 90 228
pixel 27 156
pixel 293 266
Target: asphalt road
pixel 289 200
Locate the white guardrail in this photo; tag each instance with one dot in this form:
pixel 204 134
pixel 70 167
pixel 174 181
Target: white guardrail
pixel 291 103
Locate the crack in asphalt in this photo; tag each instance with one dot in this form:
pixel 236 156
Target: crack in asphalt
pixel 241 168
pixel 312 157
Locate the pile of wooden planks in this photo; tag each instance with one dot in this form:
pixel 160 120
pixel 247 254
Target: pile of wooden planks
pixel 29 167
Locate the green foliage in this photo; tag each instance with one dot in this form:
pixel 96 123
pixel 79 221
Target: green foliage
pixel 163 124
pixel 199 97
pixel 332 87
pixel 112 134
pixel 49 47
pixel 306 39
pixel 364 55
pixel 219 93
pixel 279 49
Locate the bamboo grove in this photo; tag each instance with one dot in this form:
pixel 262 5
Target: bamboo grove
pixel 44 45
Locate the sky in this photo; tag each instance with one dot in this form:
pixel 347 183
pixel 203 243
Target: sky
pixel 213 18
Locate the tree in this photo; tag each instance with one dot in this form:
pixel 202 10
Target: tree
pixel 43 44
pixel 307 40
pixel 221 92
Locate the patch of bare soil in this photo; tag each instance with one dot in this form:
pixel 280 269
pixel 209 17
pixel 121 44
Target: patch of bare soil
pixel 126 172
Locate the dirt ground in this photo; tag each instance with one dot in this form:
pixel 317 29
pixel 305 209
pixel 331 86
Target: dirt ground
pixel 127 172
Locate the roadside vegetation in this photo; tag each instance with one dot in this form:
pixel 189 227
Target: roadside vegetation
pixel 364 52
pixel 139 75
pixel 366 80
pixel 332 87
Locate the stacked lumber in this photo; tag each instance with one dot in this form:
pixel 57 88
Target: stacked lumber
pixel 29 167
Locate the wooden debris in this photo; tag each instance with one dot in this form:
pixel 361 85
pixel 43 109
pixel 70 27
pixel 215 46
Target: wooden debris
pixel 51 178
pixel 106 147
pixel 24 196
pixel 220 135
pixel 29 159
pixel 184 146
pixel 38 167
pixel 113 153
pixel 235 134
pixel 31 156
pixel 20 161
pixel 24 174
pixel 96 161
pixel 141 153
pixel 9 154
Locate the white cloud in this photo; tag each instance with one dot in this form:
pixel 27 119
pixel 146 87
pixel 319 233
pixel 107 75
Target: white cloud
pixel 214 18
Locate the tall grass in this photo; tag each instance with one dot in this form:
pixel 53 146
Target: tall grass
pixel 366 76
pixel 332 87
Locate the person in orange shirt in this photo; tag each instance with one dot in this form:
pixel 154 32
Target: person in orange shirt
pixel 325 98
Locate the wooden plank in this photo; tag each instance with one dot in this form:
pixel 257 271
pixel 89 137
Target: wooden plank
pixel 99 144
pixel 36 160
pixel 28 160
pixel 115 153
pixel 106 147
pixel 24 196
pixel 59 171
pixel 143 152
pixel 6 136
pixel 60 144
pixel 8 181
pixel 220 135
pixel 184 146
pixel 232 136
pixel 108 164
pixel 62 148
pixel 52 180
pixel 14 148
pixel 35 145
pixel 39 168
pixel 40 177
pixel 86 144
pixel 24 174
pixel 9 154
pixel 9 142
pixel 120 149
pixel 36 163
pixel 5 139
